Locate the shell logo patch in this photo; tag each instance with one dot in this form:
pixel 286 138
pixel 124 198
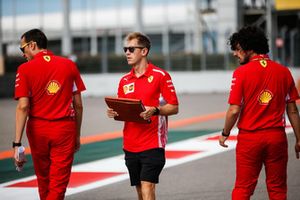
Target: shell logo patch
pixel 53 87
pixel 150 79
pixel 129 88
pixel 265 97
pixel 47 58
pixel 263 63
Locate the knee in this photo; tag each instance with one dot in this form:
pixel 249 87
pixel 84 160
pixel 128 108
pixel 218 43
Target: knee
pixel 148 190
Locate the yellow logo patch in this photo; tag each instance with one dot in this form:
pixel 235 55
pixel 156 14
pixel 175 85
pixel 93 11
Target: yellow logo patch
pixel 53 87
pixel 263 63
pixel 47 58
pixel 129 88
pixel 265 97
pixel 150 79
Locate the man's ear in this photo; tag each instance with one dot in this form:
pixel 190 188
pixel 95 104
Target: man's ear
pixel 34 47
pixel 145 51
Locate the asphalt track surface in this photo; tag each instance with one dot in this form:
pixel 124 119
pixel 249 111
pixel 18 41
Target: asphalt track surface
pixel 210 178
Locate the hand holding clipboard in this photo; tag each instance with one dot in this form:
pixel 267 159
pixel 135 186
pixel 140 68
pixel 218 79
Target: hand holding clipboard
pixel 128 109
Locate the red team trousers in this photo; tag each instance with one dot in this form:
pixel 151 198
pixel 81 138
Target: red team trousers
pixel 52 145
pixel 255 149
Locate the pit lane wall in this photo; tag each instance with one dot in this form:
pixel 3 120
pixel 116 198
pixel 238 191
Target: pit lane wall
pixel 185 82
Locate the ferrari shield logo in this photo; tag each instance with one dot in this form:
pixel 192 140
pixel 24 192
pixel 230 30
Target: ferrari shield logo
pixel 150 79
pixel 47 58
pixel 263 63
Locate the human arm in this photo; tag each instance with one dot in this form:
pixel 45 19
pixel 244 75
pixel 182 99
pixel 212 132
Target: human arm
pixel 78 107
pixel 293 115
pixel 78 87
pixel 168 95
pixel 166 110
pixel 232 115
pixel 109 111
pixel 22 110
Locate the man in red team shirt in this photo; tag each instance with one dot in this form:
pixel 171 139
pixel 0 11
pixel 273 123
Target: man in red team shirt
pixel 144 144
pixel 48 91
pixel 260 93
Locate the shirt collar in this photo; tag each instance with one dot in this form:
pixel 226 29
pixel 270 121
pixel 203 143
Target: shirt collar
pixel 259 57
pixel 147 73
pixel 149 70
pixel 43 53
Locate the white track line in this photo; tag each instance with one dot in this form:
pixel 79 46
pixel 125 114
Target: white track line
pixel 116 164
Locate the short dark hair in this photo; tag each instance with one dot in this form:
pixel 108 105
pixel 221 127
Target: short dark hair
pixel 250 38
pixel 37 36
pixel 142 39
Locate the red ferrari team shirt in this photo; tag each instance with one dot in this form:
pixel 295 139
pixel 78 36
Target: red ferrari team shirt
pixel 49 82
pixel 262 88
pixel 153 88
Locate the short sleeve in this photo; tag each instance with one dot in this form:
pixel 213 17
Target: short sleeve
pixel 21 84
pixel 293 94
pixel 78 85
pixel 120 89
pixel 236 91
pixel 168 90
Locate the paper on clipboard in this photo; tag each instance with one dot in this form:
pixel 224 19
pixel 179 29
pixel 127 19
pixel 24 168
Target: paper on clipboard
pixel 128 109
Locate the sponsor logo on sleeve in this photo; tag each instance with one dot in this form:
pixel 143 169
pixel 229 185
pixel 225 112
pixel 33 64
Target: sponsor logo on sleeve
pixel 17 80
pixel 170 85
pixel 233 80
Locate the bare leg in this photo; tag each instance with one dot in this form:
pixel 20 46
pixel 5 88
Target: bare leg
pixel 148 190
pixel 139 192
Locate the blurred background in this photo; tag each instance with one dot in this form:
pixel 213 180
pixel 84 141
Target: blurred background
pixel 186 35
pixel 189 39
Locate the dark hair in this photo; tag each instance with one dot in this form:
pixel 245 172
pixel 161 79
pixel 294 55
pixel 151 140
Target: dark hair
pixel 142 39
pixel 37 36
pixel 250 38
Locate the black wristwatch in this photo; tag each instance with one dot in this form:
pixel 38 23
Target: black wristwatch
pixel 16 144
pixel 225 135
pixel 157 111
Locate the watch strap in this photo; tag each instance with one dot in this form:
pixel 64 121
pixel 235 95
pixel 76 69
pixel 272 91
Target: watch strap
pixel 225 135
pixel 16 144
pixel 157 111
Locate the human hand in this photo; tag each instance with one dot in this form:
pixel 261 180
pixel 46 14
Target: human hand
pixel 146 115
pixel 111 113
pixel 222 140
pixel 19 159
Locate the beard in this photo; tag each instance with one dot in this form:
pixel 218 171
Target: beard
pixel 246 59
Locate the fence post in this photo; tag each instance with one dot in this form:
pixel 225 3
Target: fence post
pixel 104 57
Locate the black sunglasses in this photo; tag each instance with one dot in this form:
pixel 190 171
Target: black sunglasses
pixel 131 49
pixel 22 48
